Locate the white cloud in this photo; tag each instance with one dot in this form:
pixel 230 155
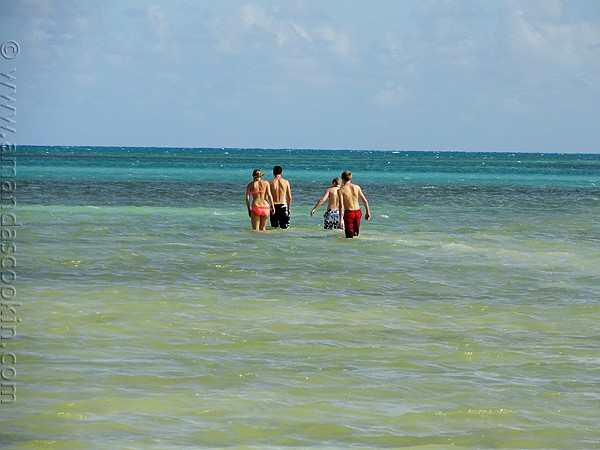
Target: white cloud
pixel 120 61
pixel 565 44
pixel 338 42
pixel 40 30
pixel 302 32
pixel 283 30
pixel 392 95
pixel 158 19
pixel 255 17
pixel 507 59
pixel 86 79
pixel 537 9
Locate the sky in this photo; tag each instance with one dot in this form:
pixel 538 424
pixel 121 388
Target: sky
pixel 439 75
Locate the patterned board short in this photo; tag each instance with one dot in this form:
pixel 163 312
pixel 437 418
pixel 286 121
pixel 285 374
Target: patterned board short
pixel 331 219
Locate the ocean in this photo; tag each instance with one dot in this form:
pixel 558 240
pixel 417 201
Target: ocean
pixel 146 314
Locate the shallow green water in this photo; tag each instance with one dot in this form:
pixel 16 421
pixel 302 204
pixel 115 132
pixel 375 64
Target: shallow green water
pixel 464 315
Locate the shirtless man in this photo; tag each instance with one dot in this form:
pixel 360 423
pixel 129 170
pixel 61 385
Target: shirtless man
pixel 349 207
pixel 331 218
pixel 282 197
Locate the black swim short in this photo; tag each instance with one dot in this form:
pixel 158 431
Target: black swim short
pixel 281 217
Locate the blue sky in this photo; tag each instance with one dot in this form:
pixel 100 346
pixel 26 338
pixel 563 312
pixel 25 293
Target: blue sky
pixel 494 75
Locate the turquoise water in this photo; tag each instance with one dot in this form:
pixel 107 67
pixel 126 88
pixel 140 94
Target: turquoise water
pixel 465 315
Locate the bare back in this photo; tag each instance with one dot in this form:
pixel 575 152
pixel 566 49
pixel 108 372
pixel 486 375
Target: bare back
pixel 349 194
pixel 259 191
pixel 332 196
pixel 280 189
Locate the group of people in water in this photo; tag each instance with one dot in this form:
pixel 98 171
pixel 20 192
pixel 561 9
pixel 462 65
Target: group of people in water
pixel 273 200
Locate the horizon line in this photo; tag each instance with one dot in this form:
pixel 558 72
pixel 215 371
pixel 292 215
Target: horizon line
pixel 310 149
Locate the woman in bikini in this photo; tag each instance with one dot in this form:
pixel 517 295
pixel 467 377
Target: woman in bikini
pixel 262 201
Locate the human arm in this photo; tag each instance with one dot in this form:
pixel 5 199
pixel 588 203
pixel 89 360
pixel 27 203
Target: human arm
pixel 366 203
pixel 269 197
pixel 248 200
pixel 288 195
pixel 320 202
pixel 341 208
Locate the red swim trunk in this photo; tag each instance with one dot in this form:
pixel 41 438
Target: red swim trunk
pixel 352 222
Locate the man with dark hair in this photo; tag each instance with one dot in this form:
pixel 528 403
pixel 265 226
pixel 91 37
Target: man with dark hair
pixel 282 197
pixel 349 207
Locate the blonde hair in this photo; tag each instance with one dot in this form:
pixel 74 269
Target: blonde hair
pixel 257 174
